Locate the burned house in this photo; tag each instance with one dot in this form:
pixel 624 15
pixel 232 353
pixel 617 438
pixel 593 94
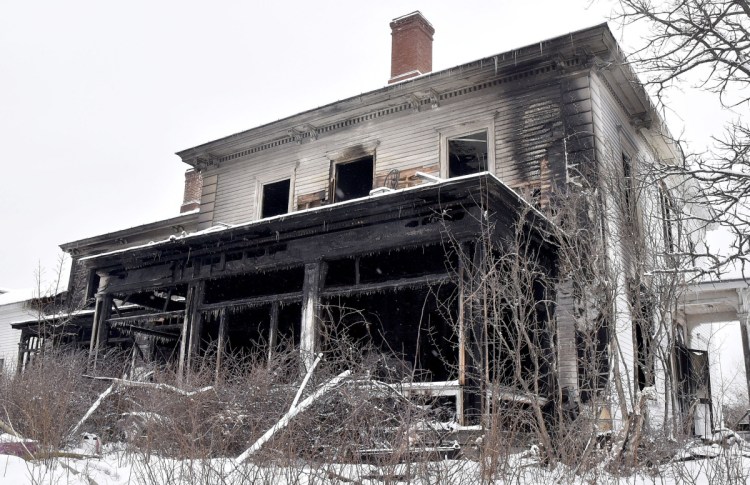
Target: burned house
pixel 375 204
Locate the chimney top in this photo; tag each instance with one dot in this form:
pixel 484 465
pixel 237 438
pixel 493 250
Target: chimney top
pixel 411 46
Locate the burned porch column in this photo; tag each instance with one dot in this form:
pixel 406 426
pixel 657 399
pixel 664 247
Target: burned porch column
pixel 314 277
pixel 221 342
pixel 473 322
pixel 191 328
pixel 23 346
pixel 100 326
pixel 567 353
pixel 464 320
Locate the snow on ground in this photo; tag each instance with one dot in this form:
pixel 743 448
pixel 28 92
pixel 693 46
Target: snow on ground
pixel 707 465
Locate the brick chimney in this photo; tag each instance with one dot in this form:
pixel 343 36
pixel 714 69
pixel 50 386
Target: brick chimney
pixel 193 187
pixel 411 46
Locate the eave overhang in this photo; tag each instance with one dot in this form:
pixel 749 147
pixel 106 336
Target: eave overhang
pixel 184 222
pixel 590 44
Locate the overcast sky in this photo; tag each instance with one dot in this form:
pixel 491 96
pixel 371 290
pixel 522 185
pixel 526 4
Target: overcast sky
pixel 95 97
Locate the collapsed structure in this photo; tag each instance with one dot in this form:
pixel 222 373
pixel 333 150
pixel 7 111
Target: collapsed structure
pixel 375 203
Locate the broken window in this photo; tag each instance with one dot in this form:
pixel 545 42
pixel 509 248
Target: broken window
pixel 352 179
pixel 467 154
pixel 628 191
pixel 669 220
pixel 275 198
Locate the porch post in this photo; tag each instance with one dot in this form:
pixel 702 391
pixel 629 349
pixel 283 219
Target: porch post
pixel 464 319
pixel 221 341
pixel 743 315
pixel 22 346
pixel 273 330
pixel 191 327
pixel 100 326
pixel 314 277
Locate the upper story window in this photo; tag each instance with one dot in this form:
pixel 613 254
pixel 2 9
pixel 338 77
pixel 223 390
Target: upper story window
pixel 274 194
pixel 467 149
pixel 352 179
pixel 467 154
pixel 275 198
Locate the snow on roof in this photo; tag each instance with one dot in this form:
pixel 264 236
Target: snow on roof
pixel 25 294
pixel 15 296
pixel 220 227
pixel 75 313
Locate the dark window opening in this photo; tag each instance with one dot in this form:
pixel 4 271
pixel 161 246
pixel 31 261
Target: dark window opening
pixel 254 285
pixel 519 341
pixel 353 179
pixel 467 154
pixel 275 198
pixel 643 321
pixel 593 359
pixel 668 220
pixel 342 272
pixel 410 329
pixel 93 285
pixel 407 263
pixel 693 385
pixel 248 332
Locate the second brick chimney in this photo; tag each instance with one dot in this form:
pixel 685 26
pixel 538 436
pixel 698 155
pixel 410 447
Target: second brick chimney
pixel 411 46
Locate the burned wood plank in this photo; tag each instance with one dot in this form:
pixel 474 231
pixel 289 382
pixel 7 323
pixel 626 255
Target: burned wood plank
pixel 147 317
pixel 428 280
pixel 254 301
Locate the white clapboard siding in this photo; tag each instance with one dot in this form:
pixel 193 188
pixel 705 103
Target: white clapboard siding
pixel 523 117
pixel 10 338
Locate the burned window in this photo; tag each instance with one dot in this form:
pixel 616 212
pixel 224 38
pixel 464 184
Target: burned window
pixel 275 198
pixel 628 189
pixel 669 220
pixel 467 154
pixel 352 179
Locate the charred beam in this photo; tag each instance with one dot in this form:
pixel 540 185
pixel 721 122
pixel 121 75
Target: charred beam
pixel 427 280
pixel 254 301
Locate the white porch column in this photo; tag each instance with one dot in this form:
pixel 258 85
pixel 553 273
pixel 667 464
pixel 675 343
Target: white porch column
pixel 314 278
pixel 100 327
pixel 743 315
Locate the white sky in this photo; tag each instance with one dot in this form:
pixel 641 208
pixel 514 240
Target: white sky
pixel 95 97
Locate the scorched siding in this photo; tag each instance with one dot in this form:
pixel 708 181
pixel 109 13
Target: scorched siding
pixel 527 120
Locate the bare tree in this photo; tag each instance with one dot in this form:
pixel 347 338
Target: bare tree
pixel 704 44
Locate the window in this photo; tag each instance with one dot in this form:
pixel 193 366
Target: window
pixel 467 149
pixel 273 193
pixel 275 199
pixel 628 188
pixel 669 219
pixel 352 179
pixel 467 154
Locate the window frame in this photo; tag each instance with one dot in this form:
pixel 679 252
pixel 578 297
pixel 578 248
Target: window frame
pixel 348 155
pixel 463 129
pixel 266 179
pixel 334 176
